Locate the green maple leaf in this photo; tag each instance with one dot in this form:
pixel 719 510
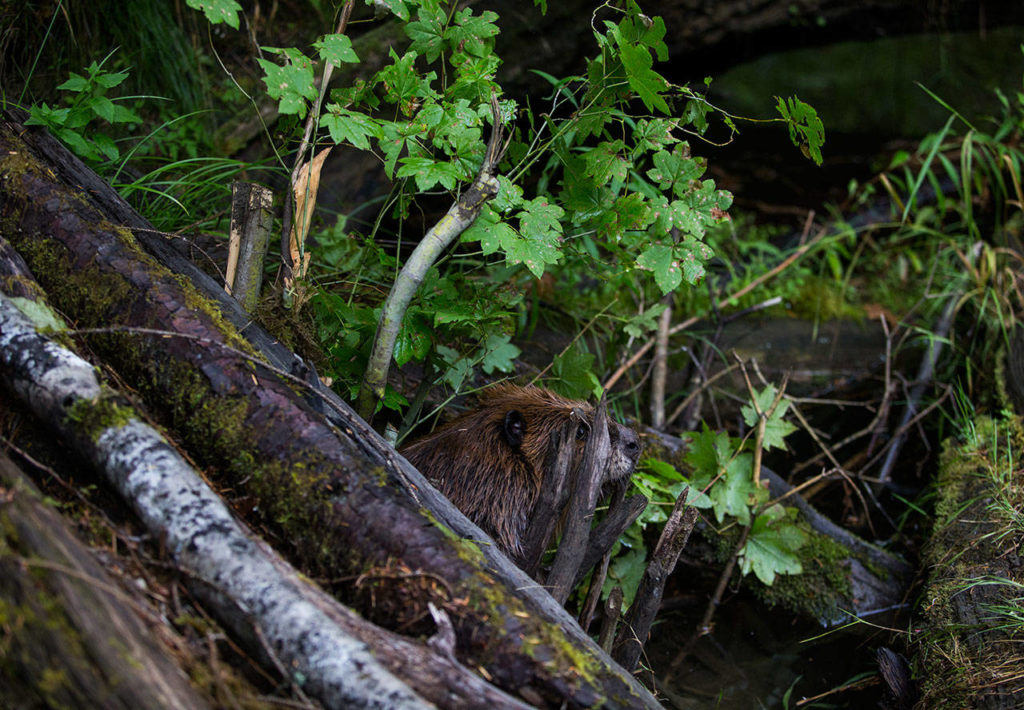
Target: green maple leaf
pixel 654 134
pixel 335 49
pixel 471 32
pixel 397 7
pixel 573 373
pixel 733 493
pixel 489 229
pixel 771 547
pixel 776 428
pixel 499 354
pixel 707 453
pixel 660 259
pixel 413 340
pixel 626 571
pixel 647 83
pixel 692 255
pixel 675 169
pixel 539 218
pixel 605 163
pixel 40 314
pixel 645 31
pixel 218 11
pixel 628 213
pixel 805 128
pixel 429 172
pixel 292 84
pixel 353 127
pixel 427 32
pixel 535 250
pixel 403 85
pixel 509 195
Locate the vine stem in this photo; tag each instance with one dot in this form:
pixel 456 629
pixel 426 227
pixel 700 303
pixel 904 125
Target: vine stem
pixel 459 218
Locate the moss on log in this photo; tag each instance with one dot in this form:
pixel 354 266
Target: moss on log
pixel 966 646
pixel 68 636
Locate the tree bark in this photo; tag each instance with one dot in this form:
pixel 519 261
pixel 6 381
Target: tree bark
pixel 70 637
pixel 337 498
pixel 242 581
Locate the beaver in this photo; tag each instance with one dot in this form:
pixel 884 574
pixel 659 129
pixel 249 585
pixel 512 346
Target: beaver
pixel 489 462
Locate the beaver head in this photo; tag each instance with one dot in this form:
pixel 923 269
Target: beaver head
pixel 489 462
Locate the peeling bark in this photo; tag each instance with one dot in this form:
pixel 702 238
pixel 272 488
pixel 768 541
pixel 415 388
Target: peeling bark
pixel 338 498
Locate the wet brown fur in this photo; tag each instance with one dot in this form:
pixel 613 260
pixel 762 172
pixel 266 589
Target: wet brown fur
pixel 475 462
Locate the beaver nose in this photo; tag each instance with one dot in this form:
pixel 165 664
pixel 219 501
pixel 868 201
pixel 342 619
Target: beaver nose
pixel 631 443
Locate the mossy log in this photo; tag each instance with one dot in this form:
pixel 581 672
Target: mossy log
pixel 242 581
pixel 68 636
pixel 336 498
pixel 966 645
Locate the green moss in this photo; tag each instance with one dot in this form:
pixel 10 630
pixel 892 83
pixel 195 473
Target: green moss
pixel 94 417
pixel 213 426
pixel 822 589
pixel 962 656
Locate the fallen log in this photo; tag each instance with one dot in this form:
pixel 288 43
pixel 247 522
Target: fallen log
pixel 966 643
pixel 337 498
pixel 70 637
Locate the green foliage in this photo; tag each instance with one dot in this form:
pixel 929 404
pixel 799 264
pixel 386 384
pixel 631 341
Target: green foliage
pixel 724 474
pixel 772 544
pixel 721 480
pixel 75 123
pixel 292 82
pixel 805 128
pixel 776 428
pixel 607 188
pixel 218 11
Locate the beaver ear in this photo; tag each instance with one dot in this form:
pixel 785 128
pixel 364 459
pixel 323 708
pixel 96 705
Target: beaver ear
pixel 515 428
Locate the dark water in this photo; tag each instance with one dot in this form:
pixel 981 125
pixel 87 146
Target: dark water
pixel 755 656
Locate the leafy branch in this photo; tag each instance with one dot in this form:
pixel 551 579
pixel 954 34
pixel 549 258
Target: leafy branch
pixel 456 220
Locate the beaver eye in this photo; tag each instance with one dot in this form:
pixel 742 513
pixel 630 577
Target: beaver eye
pixel 581 432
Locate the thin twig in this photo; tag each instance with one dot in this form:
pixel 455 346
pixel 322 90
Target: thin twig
pixel 880 415
pixel 922 381
pixel 700 388
pixel 659 374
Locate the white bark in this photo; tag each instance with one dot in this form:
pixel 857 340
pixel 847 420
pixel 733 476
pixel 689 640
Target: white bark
pixel 201 534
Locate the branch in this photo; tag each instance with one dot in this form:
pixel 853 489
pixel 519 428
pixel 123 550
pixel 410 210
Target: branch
pixel 459 218
pixel 200 532
pixel 586 489
pixel 610 382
